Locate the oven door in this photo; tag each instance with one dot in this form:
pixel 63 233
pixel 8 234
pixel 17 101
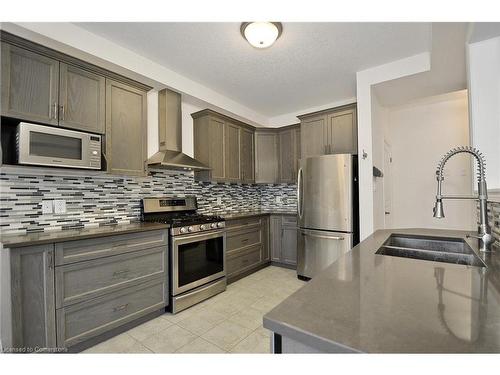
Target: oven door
pixel 43 145
pixel 197 259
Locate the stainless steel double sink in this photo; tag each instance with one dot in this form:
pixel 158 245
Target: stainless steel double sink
pixel 437 249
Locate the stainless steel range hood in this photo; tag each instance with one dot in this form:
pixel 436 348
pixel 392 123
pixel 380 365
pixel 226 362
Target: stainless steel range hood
pixel 170 155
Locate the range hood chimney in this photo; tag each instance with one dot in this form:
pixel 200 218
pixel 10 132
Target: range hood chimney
pixel 170 154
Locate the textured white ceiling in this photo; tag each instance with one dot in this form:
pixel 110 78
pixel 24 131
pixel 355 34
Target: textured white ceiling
pixel 310 65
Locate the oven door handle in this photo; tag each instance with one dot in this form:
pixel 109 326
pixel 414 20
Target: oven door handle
pixel 203 235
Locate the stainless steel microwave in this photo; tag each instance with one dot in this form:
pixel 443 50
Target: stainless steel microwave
pixel 45 145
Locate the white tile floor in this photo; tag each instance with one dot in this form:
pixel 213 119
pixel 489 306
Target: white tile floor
pixel 230 322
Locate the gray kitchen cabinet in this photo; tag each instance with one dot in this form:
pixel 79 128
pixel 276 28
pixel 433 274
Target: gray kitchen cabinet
pixel 332 131
pixel 283 239
pixel 32 298
pixel 30 84
pixel 225 145
pixel 342 132
pixel 126 129
pixel 266 156
pixel 247 246
pixel 232 152
pixel 313 136
pixel 82 99
pixel 289 146
pixel 275 237
pixel 247 155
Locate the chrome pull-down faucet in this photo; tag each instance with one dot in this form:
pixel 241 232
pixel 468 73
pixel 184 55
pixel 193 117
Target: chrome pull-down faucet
pixel 484 231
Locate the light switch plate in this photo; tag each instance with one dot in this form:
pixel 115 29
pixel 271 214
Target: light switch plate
pixel 47 207
pixel 219 200
pixel 60 206
pixel 278 199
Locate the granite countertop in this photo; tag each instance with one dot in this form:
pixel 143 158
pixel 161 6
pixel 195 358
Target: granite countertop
pixel 41 238
pixel 245 214
pixel 383 304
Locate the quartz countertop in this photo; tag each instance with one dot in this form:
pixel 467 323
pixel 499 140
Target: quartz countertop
pixel 372 303
pixel 41 238
pixel 245 214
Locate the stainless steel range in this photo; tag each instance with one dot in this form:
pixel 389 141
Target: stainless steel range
pixel 197 248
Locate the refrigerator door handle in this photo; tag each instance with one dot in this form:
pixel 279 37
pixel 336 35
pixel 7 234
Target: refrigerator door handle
pixel 312 234
pixel 300 200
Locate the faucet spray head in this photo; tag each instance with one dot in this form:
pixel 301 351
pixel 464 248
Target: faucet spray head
pixel 438 209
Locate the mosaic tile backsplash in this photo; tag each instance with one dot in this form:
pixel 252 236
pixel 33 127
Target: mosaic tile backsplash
pixel 104 199
pixel 494 220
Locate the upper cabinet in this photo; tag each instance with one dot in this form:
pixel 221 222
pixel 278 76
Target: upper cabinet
pixel 48 87
pixel 82 99
pixel 30 84
pixel 332 131
pixel 266 156
pixel 289 153
pixel 225 145
pixel 126 129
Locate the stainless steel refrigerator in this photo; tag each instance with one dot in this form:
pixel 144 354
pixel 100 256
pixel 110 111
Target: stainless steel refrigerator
pixel 328 220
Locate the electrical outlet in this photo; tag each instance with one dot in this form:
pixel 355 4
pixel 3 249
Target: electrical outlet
pixel 47 207
pixel 219 200
pixel 278 199
pixel 60 206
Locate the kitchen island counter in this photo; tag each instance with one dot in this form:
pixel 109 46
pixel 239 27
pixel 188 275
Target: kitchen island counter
pixel 365 302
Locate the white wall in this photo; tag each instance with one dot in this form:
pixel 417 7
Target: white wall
pixel 420 133
pixel 364 81
pixel 484 96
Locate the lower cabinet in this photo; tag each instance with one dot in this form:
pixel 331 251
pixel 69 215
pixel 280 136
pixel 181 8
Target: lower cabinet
pixel 63 294
pixel 283 239
pixel 247 246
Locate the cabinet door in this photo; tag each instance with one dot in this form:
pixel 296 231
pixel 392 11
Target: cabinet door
pixel 266 256
pixel 33 297
pixel 82 99
pixel 30 84
pixel 289 245
pixel 342 132
pixel 266 157
pixel 287 155
pixel 231 152
pixel 125 129
pixel 246 155
pixel 297 154
pixel 275 238
pixel 313 136
pixel 216 148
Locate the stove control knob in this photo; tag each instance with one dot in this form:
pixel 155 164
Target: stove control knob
pixel 203 227
pixel 213 225
pixel 220 225
pixel 183 230
pixel 190 229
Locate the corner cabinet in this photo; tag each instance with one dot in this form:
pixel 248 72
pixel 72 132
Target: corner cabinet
pixel 225 145
pixel 332 131
pixel 126 129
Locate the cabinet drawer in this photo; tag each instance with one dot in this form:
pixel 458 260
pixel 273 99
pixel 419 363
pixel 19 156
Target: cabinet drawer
pixel 242 238
pixel 289 220
pixel 243 261
pixel 237 224
pixel 80 250
pixel 80 281
pixel 82 321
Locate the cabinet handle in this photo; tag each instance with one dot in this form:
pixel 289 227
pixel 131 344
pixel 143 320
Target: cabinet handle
pixel 53 111
pixel 61 108
pixel 120 273
pixel 50 259
pixel 120 308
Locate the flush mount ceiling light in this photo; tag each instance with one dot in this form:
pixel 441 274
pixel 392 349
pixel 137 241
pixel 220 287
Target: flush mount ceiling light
pixel 261 34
